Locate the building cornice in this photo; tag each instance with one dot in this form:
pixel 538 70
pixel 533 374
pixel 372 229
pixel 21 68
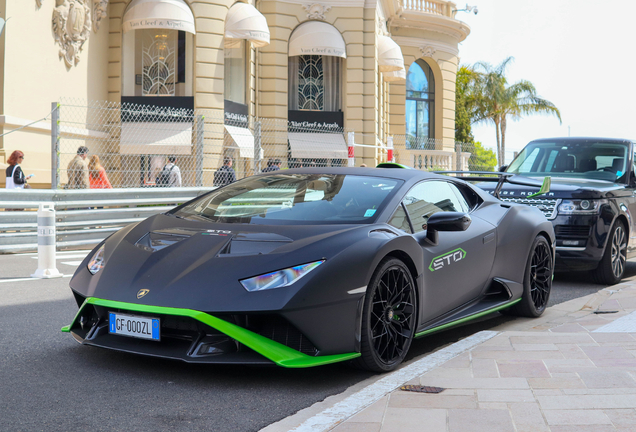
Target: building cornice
pixel 425 44
pixel 456 29
pixel 335 3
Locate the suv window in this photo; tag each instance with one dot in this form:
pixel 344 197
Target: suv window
pixel 586 158
pixel 430 197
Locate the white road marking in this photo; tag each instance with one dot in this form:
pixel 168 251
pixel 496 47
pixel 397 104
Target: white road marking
pixel 71 263
pixel 28 279
pixel 355 403
pixel 58 256
pixel 84 251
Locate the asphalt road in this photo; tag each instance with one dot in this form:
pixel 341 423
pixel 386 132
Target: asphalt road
pixel 48 382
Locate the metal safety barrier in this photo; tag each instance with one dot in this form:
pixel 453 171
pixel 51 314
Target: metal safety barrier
pixel 83 217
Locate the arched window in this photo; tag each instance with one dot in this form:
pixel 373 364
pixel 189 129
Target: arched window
pixel 316 53
pixel 420 105
pixel 243 23
pixel 157 52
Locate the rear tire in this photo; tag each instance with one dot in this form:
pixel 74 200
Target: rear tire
pixel 612 266
pixel 537 281
pixel 389 317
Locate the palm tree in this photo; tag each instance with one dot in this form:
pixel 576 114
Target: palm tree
pixel 493 100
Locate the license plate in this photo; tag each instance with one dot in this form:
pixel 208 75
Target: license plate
pixel 134 326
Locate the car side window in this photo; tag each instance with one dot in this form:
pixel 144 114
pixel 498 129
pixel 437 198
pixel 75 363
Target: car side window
pixel 400 221
pixel 430 197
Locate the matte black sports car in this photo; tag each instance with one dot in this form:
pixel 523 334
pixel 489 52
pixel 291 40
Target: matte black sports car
pixel 306 267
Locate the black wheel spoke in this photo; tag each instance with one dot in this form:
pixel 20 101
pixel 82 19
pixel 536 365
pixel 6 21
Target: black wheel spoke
pixel 540 276
pixel 392 314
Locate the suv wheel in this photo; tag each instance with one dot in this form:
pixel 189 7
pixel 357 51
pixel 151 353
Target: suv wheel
pixel 612 266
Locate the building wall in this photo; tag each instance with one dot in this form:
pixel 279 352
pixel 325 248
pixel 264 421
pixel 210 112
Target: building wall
pixel 34 75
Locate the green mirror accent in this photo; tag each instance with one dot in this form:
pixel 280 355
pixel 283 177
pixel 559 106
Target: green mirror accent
pixel 392 165
pixel 545 187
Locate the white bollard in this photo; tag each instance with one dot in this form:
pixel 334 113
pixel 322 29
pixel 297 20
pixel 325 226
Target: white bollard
pixel 389 152
pixel 46 243
pixel 350 150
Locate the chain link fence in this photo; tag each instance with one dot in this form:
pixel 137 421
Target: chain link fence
pixel 133 143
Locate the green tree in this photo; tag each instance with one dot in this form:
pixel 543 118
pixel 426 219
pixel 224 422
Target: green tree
pixel 463 105
pixel 482 159
pixel 493 100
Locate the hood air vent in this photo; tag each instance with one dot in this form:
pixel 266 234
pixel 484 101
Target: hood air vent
pixel 155 241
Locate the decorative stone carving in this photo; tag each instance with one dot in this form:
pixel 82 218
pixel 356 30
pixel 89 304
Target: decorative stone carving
pixel 316 11
pixel 100 10
pixel 427 51
pixel 71 26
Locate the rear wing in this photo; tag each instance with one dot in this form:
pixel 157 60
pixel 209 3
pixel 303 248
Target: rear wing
pixel 501 178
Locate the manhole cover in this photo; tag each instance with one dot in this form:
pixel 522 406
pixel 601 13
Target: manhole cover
pixel 421 389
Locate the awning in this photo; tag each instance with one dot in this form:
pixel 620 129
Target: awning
pixel 243 21
pixel 394 76
pixel 156 138
pixel 164 14
pixel 389 55
pixel 317 38
pixel 243 139
pixel 307 145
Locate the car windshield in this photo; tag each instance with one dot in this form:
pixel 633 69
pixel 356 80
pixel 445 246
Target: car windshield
pixel 295 199
pixel 588 159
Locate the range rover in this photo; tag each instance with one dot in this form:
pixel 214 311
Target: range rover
pixel 591 202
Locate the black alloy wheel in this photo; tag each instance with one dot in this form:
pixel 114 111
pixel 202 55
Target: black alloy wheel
pixel 537 281
pixel 611 268
pixel 541 275
pixel 389 317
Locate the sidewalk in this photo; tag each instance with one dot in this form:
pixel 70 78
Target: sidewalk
pixel 572 369
pixel 566 371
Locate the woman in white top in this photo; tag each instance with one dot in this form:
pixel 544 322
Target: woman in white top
pixel 15 176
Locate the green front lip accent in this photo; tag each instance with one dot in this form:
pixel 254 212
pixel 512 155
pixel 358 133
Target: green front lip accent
pixel 274 351
pixel 466 319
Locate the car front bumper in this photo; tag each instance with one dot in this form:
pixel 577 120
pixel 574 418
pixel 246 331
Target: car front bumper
pixel 191 336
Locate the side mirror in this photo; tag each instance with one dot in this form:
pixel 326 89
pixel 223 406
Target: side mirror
pixel 446 221
pixel 503 168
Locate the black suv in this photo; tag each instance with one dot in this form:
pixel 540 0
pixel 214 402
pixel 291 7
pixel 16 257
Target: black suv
pixel 591 203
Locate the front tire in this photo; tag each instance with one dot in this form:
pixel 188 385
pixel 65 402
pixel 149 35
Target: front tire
pixel 612 266
pixel 389 317
pixel 537 281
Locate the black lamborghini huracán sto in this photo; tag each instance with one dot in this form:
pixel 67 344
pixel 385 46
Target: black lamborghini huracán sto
pixel 305 267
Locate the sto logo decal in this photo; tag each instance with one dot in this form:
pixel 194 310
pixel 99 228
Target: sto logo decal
pixel 447 259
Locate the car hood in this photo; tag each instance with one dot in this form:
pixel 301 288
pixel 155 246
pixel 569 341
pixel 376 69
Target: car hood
pixel 561 187
pixel 198 265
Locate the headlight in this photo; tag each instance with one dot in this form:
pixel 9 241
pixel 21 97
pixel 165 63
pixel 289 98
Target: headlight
pixel 97 262
pixel 581 206
pixel 280 278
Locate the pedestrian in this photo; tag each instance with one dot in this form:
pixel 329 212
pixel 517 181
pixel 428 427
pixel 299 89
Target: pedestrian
pixel 77 170
pixel 97 177
pixel 170 175
pixel 15 177
pixel 272 165
pixel 225 175
pixel 363 165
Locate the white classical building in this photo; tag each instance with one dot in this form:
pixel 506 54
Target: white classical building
pixel 381 69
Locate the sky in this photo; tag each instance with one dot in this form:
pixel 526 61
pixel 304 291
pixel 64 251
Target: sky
pixel 579 54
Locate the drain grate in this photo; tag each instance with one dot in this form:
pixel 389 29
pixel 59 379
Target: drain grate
pixel 421 389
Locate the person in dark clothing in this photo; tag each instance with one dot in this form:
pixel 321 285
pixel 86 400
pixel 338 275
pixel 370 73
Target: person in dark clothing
pixel 272 165
pixel 225 175
pixel 15 177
